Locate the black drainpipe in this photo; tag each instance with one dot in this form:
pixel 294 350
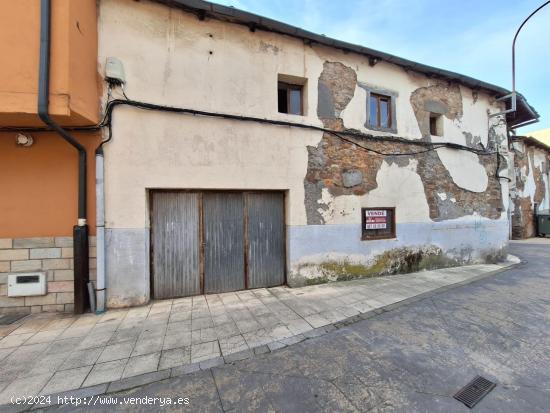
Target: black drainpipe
pixel 80 231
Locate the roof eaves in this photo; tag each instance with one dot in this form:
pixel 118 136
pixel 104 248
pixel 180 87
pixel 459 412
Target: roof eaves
pixel 235 15
pixel 529 140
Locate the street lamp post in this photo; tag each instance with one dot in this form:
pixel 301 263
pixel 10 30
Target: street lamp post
pixel 513 94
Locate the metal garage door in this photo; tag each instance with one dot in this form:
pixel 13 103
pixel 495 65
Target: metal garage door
pixel 223 242
pixel 215 241
pixel 175 237
pixel 265 239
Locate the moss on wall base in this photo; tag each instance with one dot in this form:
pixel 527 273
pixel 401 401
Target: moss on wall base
pixel 395 261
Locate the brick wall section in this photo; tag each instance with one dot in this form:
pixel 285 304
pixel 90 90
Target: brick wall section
pixel 51 255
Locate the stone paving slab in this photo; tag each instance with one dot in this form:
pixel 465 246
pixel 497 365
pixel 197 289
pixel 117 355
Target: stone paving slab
pixel 56 353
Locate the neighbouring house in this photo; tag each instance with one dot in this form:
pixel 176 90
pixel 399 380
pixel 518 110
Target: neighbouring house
pixel 530 189
pixel 39 171
pixel 239 152
pixel 542 135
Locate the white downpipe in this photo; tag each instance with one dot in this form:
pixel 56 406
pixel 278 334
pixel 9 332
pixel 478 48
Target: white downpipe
pixel 100 224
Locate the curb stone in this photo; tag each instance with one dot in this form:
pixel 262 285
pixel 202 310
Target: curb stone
pixel 276 345
pixel 208 364
pixel 184 369
pixel 238 356
pixel 261 349
pixel 136 381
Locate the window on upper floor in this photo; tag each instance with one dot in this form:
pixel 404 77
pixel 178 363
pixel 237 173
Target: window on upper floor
pixel 290 98
pixel 436 124
pixel 290 94
pixel 380 111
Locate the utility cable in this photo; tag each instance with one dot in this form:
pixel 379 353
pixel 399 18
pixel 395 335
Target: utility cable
pixel 112 104
pixel 340 134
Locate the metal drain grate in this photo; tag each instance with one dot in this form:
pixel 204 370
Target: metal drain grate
pixel 473 392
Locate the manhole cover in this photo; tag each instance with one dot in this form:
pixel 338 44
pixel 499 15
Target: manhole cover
pixel 473 392
pixel 9 318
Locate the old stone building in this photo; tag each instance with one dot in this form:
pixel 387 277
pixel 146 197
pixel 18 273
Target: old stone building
pixel 530 184
pixel 387 136
pixel 241 152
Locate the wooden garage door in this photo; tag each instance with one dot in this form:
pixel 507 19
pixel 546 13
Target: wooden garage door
pixel 216 241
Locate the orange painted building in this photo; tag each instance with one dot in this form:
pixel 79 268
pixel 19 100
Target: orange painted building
pixel 39 182
pixel 40 185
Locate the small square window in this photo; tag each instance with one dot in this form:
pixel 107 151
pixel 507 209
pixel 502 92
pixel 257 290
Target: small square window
pixel 290 98
pixel 436 124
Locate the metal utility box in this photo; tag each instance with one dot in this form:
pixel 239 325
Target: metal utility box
pixel 543 222
pixel 26 284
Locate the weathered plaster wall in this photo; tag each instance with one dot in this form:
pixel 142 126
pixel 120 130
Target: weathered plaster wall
pixel 419 245
pixel 449 205
pixel 332 159
pixel 532 177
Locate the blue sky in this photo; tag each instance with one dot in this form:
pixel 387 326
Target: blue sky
pixel 472 37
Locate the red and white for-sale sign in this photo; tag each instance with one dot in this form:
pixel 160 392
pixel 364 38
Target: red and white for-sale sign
pixel 376 219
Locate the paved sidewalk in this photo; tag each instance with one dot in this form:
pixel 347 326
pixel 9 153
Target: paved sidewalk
pixel 50 354
pixel 534 240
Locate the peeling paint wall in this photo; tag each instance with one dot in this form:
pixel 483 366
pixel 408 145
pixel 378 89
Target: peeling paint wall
pixel 450 207
pixel 317 248
pixel 336 87
pixel 333 158
pixel 442 97
pixel 532 177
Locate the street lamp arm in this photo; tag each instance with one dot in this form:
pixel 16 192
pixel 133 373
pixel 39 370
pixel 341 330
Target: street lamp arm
pixel 514 46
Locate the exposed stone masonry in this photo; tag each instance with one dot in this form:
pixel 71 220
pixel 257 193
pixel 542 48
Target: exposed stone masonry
pixel 523 224
pixel 336 88
pixel 443 98
pixel 333 158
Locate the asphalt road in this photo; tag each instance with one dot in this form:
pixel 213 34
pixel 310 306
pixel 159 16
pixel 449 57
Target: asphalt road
pixel 411 359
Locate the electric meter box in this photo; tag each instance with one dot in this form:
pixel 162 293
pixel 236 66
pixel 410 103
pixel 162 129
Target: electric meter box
pixel 25 284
